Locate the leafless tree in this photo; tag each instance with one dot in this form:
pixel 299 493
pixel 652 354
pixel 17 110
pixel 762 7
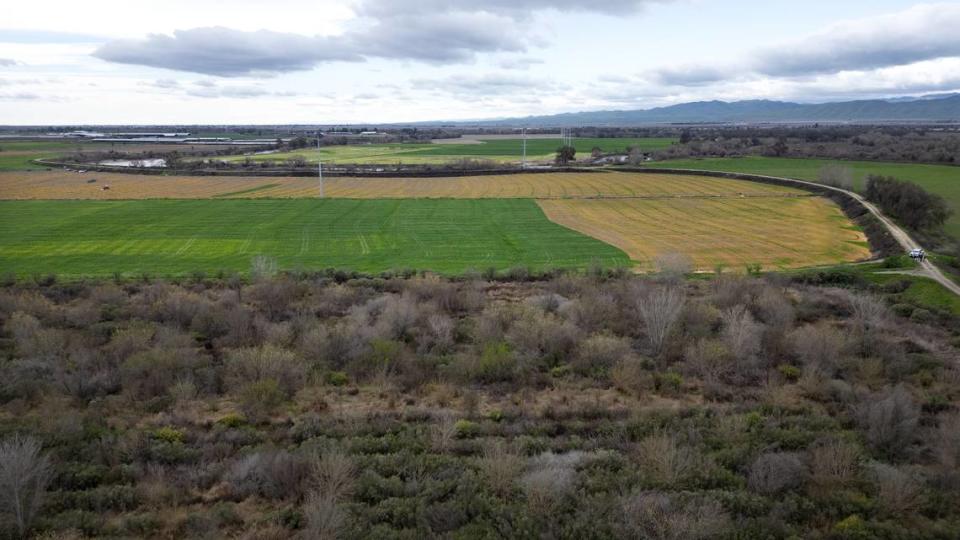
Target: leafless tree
pixel 889 420
pixel 24 475
pixel 774 472
pixel 333 474
pixel 326 518
pixel 742 334
pixel 838 176
pixel 660 308
pixel 262 267
pixel 674 265
pixel 898 491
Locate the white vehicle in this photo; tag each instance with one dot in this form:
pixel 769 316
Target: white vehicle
pixel 917 253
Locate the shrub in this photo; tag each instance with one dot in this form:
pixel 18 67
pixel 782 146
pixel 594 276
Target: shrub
pixel 549 478
pixel 168 434
pixel 818 346
pixel 741 334
pixel 496 364
pixel 775 472
pixel 260 398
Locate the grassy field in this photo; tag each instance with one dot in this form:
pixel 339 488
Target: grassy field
pixel 776 233
pixel 71 185
pixel 943 180
pixel 175 237
pixel 504 150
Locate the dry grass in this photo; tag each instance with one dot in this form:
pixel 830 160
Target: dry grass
pixel 71 185
pixel 775 232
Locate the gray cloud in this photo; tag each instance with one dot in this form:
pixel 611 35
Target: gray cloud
pixel 690 75
pixel 235 91
pixel 920 33
pixel 486 85
pixel 5 62
pixel 432 31
pixel 519 63
pixel 225 52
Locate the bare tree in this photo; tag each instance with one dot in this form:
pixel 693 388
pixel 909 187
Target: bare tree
pixel 660 308
pixel 774 472
pixel 838 176
pixel 742 334
pixel 333 474
pixel 674 265
pixel 24 475
pixel 326 518
pixel 890 420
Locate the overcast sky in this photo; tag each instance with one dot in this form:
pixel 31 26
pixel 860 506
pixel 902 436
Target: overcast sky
pixel 356 61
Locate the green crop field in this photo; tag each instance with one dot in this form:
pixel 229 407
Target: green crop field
pixel 427 153
pixel 943 180
pixel 167 237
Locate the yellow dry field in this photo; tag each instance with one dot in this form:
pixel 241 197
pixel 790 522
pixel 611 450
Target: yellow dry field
pixel 773 232
pixel 71 185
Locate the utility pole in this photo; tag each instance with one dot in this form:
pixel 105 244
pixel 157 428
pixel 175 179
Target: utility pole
pixel 524 162
pixel 319 165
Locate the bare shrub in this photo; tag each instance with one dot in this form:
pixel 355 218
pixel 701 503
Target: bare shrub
pixel 834 464
pixel 741 334
pixel 947 440
pixel 439 336
pixel 660 308
pixel 151 373
pixel 775 472
pixel 326 518
pixel 249 365
pixel 492 324
pixel 549 478
pixel 273 474
pixel 839 176
pixel 592 312
pixel 262 267
pixel 399 317
pixel 708 359
pixel 629 376
pixel 664 461
pixel 500 466
pixel 659 516
pixel 334 472
pixel 673 265
pixel 889 420
pixel 818 346
pixel 543 337
pixel 898 491
pixel 24 475
pixel 443 433
pixel 869 315
pixel 599 353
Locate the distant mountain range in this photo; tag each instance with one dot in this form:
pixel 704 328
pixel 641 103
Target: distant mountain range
pixel 936 108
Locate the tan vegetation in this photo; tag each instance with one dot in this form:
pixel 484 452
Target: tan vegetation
pixel 733 232
pixel 72 185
